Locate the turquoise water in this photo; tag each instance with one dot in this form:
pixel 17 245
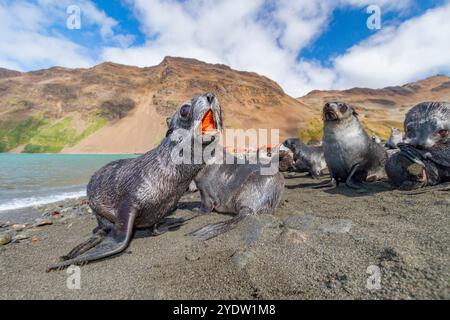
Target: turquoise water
pixel 27 180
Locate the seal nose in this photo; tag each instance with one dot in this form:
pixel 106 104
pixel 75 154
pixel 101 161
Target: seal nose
pixel 209 97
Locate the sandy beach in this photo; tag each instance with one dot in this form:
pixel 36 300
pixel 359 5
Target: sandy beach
pixel 319 245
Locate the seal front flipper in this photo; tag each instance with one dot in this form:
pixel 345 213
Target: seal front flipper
pixel 213 230
pixel 113 243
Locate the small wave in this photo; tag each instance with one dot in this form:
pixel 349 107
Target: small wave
pixel 15 204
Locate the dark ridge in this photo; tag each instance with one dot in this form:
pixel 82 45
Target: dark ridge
pixel 444 86
pixel 6 73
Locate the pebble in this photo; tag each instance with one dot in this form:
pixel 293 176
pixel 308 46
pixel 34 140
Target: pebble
pixel 18 227
pixel 340 226
pixel 42 222
pixel 301 223
pixel 5 238
pixel 293 237
pixel 242 258
pixel 21 237
pixel 5 224
pixel 255 227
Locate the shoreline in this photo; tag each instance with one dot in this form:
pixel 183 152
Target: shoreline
pixel 75 154
pixel 319 245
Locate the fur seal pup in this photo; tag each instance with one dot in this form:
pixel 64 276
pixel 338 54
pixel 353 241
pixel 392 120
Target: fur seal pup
pixel 286 158
pixel 351 155
pixel 308 158
pixel 424 157
pixel 140 192
pixel 238 189
pixel 376 139
pixel 394 139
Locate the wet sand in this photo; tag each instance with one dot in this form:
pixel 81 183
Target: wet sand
pixel 319 245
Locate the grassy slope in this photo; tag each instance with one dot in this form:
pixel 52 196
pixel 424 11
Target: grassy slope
pixel 39 135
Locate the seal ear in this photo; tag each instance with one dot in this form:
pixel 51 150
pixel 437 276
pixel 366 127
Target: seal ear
pixel 168 121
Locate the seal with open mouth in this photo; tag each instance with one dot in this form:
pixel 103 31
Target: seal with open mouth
pixel 141 192
pixel 351 155
pixel 424 157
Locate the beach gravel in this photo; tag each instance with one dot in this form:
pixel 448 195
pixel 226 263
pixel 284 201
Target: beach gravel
pixel 321 244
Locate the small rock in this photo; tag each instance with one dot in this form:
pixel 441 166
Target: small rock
pixel 5 224
pixel 293 237
pixel 42 222
pixel 301 223
pixel 5 238
pixel 18 227
pixel 192 256
pixel 359 237
pixel 21 237
pixel 340 226
pixel 34 240
pixel 255 226
pixel 242 258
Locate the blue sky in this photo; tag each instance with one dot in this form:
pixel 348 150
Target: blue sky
pixel 301 44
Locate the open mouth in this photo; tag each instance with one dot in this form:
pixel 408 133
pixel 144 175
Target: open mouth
pixel 329 115
pixel 208 123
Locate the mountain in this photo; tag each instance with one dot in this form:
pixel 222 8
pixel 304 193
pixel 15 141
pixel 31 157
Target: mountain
pixel 114 108
pixel 6 73
pixel 381 109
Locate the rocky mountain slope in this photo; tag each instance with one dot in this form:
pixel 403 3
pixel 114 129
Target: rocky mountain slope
pixel 113 108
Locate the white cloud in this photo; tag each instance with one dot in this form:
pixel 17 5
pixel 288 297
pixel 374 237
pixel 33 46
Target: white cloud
pixel 23 45
pixel 263 36
pixel 417 48
pixel 31 37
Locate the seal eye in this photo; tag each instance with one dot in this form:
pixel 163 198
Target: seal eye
pixel 443 133
pixel 184 111
pixel 343 108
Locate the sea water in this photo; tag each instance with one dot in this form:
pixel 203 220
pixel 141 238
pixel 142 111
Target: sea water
pixel 28 180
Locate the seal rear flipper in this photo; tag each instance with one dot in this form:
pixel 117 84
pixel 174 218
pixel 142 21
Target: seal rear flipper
pixel 85 246
pixel 108 247
pixel 326 184
pixel 113 243
pixel 213 230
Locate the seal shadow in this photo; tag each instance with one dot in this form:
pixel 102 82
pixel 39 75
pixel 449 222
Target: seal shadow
pixel 369 189
pixel 305 176
pixel 173 223
pixel 189 205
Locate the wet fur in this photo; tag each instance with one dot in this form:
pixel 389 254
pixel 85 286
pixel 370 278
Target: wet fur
pixel 237 189
pixel 347 148
pixel 424 158
pixel 138 193
pixel 307 158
